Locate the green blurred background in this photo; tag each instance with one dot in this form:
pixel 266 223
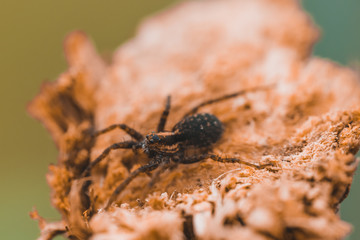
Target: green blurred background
pixel 31 40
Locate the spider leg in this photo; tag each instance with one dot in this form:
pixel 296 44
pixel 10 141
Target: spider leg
pixel 225 97
pixel 237 160
pixel 194 159
pixel 156 176
pixel 122 186
pixel 164 115
pixel 126 145
pixel 132 132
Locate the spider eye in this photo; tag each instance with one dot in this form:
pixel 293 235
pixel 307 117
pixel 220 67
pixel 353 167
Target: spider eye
pixel 156 138
pixel 153 138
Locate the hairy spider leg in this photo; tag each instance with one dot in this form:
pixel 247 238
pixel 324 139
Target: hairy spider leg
pixel 162 168
pixel 194 159
pixel 156 176
pixel 164 115
pixel 146 168
pixel 225 97
pixel 132 132
pixel 126 145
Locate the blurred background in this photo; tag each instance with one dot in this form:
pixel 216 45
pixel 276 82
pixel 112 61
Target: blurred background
pixel 31 41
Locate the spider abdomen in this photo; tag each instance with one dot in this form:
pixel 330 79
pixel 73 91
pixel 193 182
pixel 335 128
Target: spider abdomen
pixel 199 130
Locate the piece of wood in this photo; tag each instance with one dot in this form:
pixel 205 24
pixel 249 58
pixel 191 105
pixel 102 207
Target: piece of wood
pixel 307 127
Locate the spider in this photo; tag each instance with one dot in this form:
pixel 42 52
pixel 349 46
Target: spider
pixel 167 148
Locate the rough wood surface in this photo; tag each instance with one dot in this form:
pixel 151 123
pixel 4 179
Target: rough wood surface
pixel 307 127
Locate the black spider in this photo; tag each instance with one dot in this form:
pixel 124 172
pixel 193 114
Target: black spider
pixel 165 148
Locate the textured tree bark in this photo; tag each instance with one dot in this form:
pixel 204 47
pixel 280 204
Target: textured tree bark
pixel 307 127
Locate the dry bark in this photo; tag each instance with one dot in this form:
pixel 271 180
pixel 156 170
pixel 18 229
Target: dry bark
pixel 307 127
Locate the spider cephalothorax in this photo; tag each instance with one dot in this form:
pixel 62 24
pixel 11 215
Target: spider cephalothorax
pixel 162 143
pixel 166 148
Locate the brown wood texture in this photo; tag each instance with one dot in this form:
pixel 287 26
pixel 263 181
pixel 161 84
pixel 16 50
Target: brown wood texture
pixel 307 127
